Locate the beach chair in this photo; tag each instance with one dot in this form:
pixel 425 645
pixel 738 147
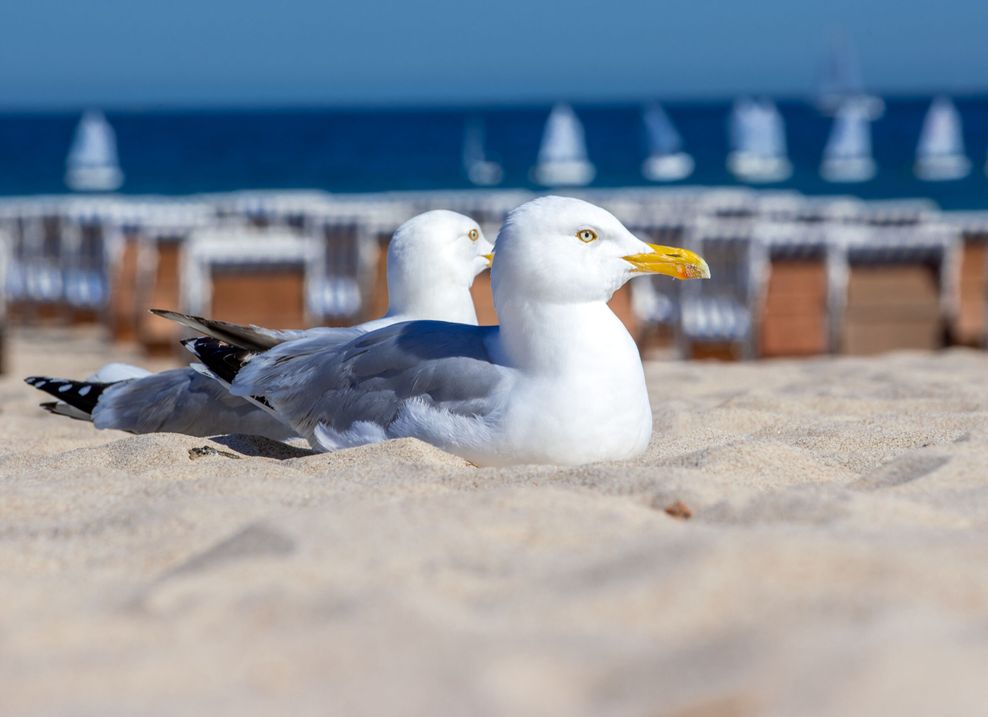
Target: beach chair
pixel 251 275
pixel 36 281
pixel 353 285
pixel 90 241
pixel 718 318
pixel 123 302
pixel 970 326
pixel 158 286
pixel 6 243
pixel 69 243
pixel 339 295
pixel 13 249
pixel 148 270
pixel 901 288
pixel 802 290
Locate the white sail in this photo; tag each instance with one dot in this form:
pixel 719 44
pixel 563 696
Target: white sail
pixel 662 135
pixel 741 114
pixel 92 162
pixel 940 153
pixel 480 170
pixel 842 81
pixel 563 155
pixel 758 142
pixel 666 161
pixel 847 155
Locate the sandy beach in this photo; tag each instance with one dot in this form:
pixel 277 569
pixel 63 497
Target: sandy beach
pixel 801 538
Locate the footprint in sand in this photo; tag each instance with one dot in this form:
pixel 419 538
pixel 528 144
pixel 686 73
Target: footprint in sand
pixel 255 540
pixel 904 469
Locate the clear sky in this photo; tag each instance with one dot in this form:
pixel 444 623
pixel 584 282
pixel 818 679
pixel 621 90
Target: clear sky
pixel 69 53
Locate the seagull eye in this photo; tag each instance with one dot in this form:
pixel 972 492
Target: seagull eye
pixel 473 234
pixel 586 235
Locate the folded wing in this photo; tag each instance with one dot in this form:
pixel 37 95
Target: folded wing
pixel 378 379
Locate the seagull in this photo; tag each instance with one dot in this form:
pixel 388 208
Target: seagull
pixel 433 259
pixel 559 381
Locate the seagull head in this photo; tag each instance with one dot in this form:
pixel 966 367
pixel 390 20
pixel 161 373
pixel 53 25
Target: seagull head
pixel 435 252
pixel 565 250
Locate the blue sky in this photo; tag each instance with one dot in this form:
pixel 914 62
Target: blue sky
pixel 70 53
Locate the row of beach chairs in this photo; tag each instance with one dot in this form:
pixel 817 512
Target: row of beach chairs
pixel 794 276
pixel 791 289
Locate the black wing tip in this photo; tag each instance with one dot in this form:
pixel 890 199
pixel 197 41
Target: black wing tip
pixel 83 395
pixel 223 359
pixel 179 318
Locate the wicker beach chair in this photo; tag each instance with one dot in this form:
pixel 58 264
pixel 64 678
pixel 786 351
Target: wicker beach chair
pixel 718 318
pixel 901 289
pixel 353 235
pixel 248 274
pixel 147 271
pixel 6 243
pixel 805 280
pixel 970 326
pixel 37 286
pixel 90 242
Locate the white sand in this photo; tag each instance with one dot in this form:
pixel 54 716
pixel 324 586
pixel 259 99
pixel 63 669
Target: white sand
pixel 836 562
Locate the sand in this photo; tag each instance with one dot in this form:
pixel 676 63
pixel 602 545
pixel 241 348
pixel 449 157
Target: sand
pixel 802 538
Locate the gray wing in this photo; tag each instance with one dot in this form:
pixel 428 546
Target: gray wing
pixel 372 378
pixel 182 401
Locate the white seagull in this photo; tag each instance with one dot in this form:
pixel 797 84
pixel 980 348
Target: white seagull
pixel 559 381
pixel 433 259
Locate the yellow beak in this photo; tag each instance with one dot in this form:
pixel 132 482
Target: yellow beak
pixel 671 261
pixel 490 259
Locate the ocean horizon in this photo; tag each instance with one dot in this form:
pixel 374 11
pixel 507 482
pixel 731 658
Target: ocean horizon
pixel 373 149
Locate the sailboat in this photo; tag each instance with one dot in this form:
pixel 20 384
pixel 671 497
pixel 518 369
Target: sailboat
pixel 666 161
pixel 92 162
pixel 847 156
pixel 563 154
pixel 758 140
pixel 842 82
pixel 940 153
pixel 480 170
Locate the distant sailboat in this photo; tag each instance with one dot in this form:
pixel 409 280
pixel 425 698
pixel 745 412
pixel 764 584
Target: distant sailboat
pixel 841 82
pixel 758 141
pixel 847 156
pixel 480 170
pixel 92 162
pixel 563 154
pixel 666 161
pixel 940 153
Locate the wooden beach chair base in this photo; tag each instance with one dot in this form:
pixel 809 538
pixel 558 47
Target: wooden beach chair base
pixel 158 336
pixel 972 316
pixel 122 313
pixel 794 313
pixel 263 296
pixel 890 308
pixel 715 351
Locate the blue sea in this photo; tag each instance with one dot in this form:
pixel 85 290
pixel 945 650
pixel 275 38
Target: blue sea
pixel 360 150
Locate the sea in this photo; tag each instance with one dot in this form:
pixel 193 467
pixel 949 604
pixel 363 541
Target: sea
pixel 179 152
